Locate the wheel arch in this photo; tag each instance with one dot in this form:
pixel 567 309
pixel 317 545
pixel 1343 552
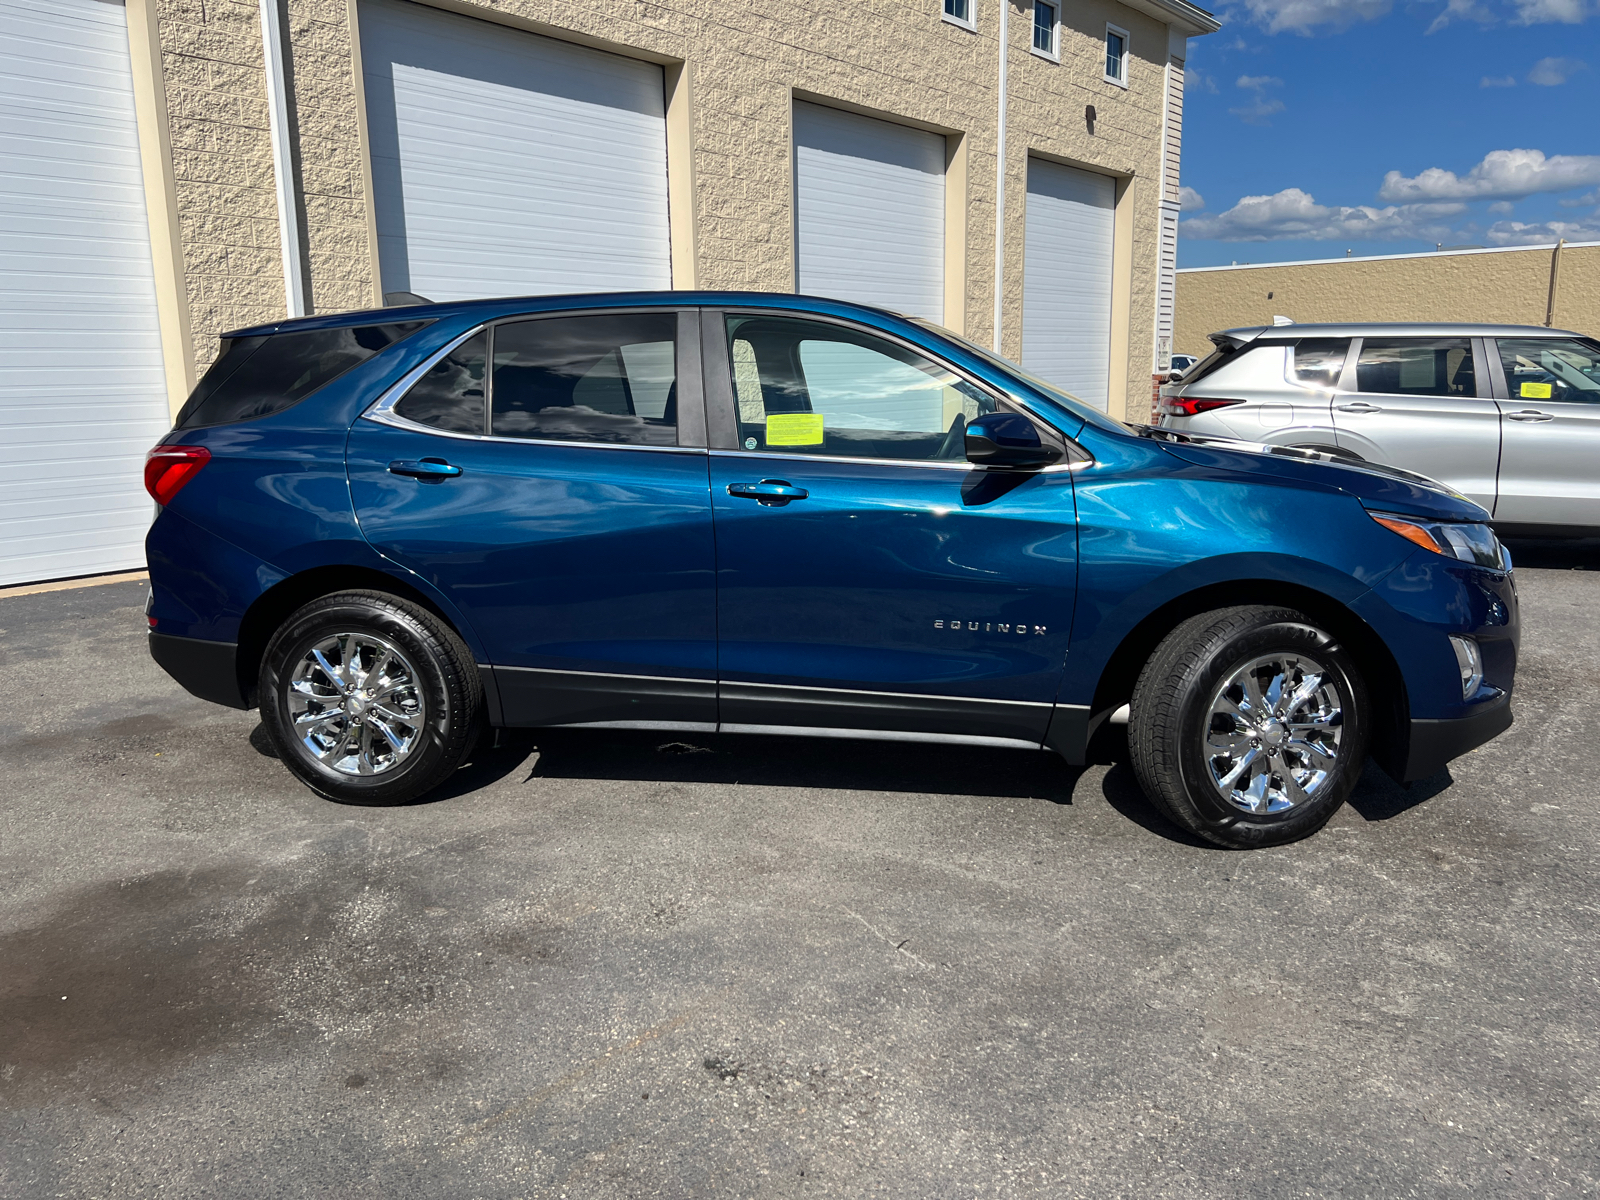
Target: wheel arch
pixel 270 609
pixel 1386 686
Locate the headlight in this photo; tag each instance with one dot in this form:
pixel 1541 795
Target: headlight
pixel 1475 544
pixel 1470 659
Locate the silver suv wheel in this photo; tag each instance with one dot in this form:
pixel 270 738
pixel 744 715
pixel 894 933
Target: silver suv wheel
pixel 1273 737
pixel 356 705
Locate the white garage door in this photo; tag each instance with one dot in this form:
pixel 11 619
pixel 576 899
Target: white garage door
pixel 82 392
pixel 869 211
pixel 507 164
pixel 1066 282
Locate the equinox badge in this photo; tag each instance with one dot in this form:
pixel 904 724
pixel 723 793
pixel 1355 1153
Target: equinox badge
pixel 987 626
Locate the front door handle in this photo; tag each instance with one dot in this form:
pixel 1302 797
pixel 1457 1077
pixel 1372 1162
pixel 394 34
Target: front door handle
pixel 1531 414
pixel 776 492
pixel 426 468
pixel 1359 406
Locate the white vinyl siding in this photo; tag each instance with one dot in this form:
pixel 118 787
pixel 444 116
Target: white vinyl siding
pixel 869 211
pixel 1167 246
pixel 508 164
pixel 1066 283
pixel 82 391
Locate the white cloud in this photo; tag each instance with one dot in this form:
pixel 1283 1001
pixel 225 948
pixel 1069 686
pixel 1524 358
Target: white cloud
pixel 1554 12
pixel 1262 106
pixel 1498 81
pixel 1517 233
pixel 1502 208
pixel 1502 175
pixel 1553 72
pixel 1463 10
pixel 1190 200
pixel 1303 16
pixel 1293 213
pixel 1580 201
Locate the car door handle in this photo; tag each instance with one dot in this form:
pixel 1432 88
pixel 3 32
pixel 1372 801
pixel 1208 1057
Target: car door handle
pixel 425 468
pixel 1360 406
pixel 768 491
pixel 1531 414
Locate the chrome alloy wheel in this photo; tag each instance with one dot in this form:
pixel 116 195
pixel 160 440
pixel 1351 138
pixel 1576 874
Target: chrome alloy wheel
pixel 1272 737
pixel 356 705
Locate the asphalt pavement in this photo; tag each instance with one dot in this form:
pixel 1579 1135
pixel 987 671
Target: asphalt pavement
pixel 629 965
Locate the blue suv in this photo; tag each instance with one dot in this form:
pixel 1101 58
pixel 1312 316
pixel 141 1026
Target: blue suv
pixel 757 513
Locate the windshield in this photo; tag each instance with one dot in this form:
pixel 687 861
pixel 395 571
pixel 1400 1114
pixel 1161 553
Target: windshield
pixel 1066 400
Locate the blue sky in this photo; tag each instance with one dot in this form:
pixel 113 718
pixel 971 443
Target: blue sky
pixel 1313 127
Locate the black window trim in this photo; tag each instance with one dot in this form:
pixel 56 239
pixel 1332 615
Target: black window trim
pixel 687 349
pixel 722 424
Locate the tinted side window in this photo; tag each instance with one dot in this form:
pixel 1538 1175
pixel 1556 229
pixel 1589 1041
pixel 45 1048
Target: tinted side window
pixel 1318 362
pixel 811 387
pixel 450 395
pixel 609 378
pixel 257 376
pixel 1416 367
pixel 1562 370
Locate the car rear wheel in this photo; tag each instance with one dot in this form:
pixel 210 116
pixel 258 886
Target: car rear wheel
pixel 1248 726
pixel 370 699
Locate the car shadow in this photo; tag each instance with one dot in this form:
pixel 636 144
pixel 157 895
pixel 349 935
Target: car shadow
pixel 1559 554
pixel 1377 797
pixel 838 764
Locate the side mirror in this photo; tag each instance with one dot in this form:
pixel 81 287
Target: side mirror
pixel 1006 439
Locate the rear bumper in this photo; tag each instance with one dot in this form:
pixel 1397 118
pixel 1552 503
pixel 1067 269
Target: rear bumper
pixel 208 670
pixel 1435 743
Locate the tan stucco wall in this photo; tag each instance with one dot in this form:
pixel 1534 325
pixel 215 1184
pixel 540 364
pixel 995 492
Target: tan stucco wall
pixel 1510 287
pixel 745 61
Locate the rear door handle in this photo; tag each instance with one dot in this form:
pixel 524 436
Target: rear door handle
pixel 425 468
pixel 769 491
pixel 1531 414
pixel 1360 406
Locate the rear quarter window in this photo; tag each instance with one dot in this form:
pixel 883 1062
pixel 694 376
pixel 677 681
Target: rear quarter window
pixel 258 376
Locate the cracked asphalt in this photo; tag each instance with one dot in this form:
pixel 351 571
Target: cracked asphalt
pixel 621 965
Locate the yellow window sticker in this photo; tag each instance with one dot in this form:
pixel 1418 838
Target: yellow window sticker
pixel 794 429
pixel 1536 391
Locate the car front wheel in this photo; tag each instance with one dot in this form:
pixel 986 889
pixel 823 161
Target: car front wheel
pixel 1248 726
pixel 369 698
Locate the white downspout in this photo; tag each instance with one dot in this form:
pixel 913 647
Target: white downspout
pixel 1000 181
pixel 272 46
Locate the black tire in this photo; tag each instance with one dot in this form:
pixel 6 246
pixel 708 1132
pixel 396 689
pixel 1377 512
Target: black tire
pixel 1170 717
pixel 446 681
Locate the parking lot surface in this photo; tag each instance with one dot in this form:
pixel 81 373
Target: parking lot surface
pixel 625 965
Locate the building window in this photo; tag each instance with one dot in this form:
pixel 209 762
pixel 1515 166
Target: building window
pixel 959 12
pixel 1044 28
pixel 1116 55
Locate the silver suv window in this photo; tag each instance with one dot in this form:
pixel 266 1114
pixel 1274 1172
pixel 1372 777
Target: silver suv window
pixel 1318 362
pixel 1416 367
pixel 1561 370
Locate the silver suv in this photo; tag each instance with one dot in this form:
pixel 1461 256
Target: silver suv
pixel 1506 414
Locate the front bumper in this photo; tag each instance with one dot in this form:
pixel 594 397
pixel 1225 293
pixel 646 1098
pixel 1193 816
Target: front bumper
pixel 1435 742
pixel 208 670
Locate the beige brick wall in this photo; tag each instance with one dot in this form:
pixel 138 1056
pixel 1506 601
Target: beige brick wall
pixel 746 60
pixel 221 165
pixel 1510 287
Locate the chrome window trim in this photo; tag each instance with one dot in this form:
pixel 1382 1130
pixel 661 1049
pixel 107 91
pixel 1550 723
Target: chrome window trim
pixel 937 464
pixel 382 410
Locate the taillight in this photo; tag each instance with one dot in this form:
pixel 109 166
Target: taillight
pixel 168 468
pixel 1191 406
